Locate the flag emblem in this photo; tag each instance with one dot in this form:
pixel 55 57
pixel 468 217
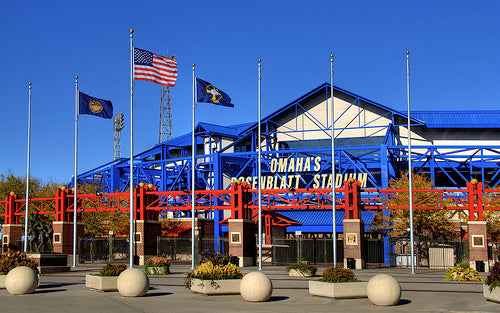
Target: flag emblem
pixel 216 95
pixel 206 92
pixel 95 106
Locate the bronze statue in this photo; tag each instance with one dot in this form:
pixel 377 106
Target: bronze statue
pixel 40 234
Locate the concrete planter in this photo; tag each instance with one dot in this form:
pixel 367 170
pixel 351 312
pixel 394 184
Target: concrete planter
pixel 338 290
pixel 101 283
pixel 157 270
pixel 216 287
pixel 299 273
pixel 493 295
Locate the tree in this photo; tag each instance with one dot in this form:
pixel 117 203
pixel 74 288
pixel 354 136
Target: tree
pixel 37 189
pixel 17 184
pixel 430 224
pixel 171 226
pixel 98 224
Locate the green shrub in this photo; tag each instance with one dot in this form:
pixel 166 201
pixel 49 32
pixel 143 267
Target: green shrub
pixel 493 279
pixel 220 259
pixel 338 275
pixel 17 259
pixel 463 264
pixel 112 269
pixel 462 272
pixel 303 267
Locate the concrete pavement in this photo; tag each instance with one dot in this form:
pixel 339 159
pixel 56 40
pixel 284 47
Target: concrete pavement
pixel 425 291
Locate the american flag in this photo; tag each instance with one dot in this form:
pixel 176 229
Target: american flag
pixel 154 68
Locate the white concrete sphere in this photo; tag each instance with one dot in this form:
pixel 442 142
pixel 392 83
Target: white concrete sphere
pixel 383 290
pixel 133 282
pixel 256 287
pixel 21 280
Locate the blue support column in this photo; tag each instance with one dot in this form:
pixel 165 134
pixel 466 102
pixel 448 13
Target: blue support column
pixel 217 214
pixel 384 166
pixel 115 179
pixel 387 249
pixel 163 179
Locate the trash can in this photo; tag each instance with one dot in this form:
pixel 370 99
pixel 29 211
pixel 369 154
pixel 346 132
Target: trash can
pixel 351 263
pixel 480 266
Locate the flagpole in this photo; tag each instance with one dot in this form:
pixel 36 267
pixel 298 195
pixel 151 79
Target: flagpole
pixel 334 180
pixel 75 189
pixel 131 175
pixel 26 214
pixel 410 184
pixel 259 169
pixel 193 150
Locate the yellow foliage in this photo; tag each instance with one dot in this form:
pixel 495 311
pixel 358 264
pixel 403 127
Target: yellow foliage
pixel 433 224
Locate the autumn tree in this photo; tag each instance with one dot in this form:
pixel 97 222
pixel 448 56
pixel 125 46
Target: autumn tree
pixel 37 189
pixel 97 224
pixel 17 184
pixel 171 226
pixel 430 224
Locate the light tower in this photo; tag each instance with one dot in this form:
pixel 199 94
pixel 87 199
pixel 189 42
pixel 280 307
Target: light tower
pixel 165 114
pixel 117 128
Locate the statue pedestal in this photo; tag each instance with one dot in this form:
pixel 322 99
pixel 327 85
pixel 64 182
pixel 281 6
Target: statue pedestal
pixel 51 262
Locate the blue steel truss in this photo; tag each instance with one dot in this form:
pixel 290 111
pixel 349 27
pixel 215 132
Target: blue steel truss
pixel 168 164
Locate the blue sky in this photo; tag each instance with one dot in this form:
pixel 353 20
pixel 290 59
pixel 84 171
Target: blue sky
pixel 453 54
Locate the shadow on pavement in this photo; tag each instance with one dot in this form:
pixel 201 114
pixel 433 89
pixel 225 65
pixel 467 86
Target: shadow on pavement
pixel 278 298
pixel 48 291
pixel 157 294
pixel 403 302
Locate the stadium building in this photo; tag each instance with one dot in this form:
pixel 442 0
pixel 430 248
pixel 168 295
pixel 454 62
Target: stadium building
pixel 371 145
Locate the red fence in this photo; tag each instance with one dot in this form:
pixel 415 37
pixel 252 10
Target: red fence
pixel 240 199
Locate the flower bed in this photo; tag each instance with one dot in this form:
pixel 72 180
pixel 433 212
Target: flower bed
pixel 157 266
pixel 101 283
pixel 217 276
pixel 216 287
pixel 491 290
pixel 338 283
pixel 345 290
pixel 301 269
pixel 107 277
pixel 462 272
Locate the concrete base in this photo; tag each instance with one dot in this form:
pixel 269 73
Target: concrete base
pixel 246 261
pixel 21 280
pixel 101 283
pixel 133 282
pixel 338 290
pixel 216 287
pixel 256 287
pixel 473 265
pixel 493 295
pixel 360 263
pixel 51 262
pixel 383 290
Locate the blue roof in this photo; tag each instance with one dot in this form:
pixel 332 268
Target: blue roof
pixel 183 141
pixel 322 217
pixel 458 119
pixel 229 131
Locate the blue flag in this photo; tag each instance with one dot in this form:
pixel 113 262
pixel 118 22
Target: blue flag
pixel 94 106
pixel 206 92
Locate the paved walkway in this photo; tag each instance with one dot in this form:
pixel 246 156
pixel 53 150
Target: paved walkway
pixel 426 291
